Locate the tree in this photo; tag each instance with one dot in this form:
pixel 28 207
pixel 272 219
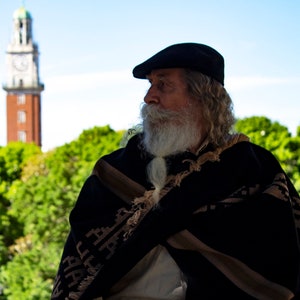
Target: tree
pixel 41 198
pixel 12 159
pixel 276 138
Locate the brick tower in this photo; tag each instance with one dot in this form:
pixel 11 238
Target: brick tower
pixel 23 86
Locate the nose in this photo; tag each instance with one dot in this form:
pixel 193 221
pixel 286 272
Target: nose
pixel 151 96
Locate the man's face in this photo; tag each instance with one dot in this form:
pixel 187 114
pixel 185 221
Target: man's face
pixel 168 89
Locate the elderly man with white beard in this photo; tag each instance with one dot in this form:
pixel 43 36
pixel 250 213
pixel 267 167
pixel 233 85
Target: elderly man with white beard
pixel 188 209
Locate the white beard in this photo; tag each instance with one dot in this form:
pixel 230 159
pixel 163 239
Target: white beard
pixel 165 133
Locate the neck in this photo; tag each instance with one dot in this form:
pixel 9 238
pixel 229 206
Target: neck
pixel 200 145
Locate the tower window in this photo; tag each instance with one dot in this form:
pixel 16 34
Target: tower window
pixel 21 99
pixel 21 116
pixel 21 32
pixel 22 136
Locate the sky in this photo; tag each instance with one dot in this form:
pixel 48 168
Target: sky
pixel 89 48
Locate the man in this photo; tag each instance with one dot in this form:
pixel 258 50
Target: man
pixel 187 210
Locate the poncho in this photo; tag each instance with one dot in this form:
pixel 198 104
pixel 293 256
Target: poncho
pixel 228 216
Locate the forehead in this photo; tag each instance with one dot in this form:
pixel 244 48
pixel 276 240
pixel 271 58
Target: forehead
pixel 172 73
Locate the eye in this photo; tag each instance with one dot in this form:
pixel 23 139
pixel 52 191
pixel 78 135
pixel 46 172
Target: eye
pixel 161 85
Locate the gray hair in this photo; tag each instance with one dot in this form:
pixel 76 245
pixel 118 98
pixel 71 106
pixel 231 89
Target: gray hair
pixel 215 104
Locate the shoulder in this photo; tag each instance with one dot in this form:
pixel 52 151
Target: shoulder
pixel 249 149
pixel 130 160
pixel 239 144
pixel 132 149
pixel 251 156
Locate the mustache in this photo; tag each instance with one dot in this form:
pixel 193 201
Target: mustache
pixel 154 113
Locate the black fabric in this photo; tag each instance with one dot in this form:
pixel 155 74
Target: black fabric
pixel 260 231
pixel 193 56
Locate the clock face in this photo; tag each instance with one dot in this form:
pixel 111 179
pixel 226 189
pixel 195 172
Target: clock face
pixel 20 62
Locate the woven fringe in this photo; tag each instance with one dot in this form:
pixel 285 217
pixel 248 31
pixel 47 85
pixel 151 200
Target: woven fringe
pixel 143 204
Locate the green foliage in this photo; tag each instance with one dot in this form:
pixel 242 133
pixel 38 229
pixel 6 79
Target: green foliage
pixel 263 131
pixel 298 131
pixel 12 159
pixel 29 274
pixel 276 138
pixel 42 191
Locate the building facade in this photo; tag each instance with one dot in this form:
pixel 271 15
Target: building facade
pixel 22 83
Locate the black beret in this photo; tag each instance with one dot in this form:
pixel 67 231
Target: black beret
pixel 198 57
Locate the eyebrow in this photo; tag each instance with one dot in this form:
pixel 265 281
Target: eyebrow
pixel 159 75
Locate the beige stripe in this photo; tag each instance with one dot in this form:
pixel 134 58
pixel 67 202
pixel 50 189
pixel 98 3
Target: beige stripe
pixel 117 182
pixel 240 274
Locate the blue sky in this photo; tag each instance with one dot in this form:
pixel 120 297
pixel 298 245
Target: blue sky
pixel 88 49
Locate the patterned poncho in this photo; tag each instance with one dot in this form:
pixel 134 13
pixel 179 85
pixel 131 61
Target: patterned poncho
pixel 228 216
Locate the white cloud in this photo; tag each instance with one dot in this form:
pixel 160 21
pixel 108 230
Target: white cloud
pixel 239 83
pixel 96 80
pixel 66 83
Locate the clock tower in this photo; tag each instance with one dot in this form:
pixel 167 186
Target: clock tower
pixel 22 84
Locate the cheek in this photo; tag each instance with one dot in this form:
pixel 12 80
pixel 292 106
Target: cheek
pixel 180 103
pixel 174 101
pixel 169 106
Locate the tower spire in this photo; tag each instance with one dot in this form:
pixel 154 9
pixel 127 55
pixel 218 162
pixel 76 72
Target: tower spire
pixel 23 86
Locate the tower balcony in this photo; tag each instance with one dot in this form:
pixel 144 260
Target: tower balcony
pixel 25 89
